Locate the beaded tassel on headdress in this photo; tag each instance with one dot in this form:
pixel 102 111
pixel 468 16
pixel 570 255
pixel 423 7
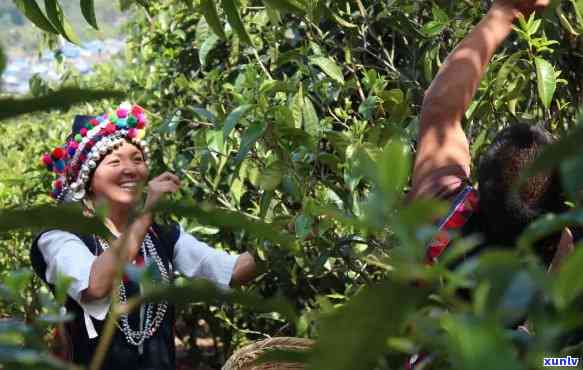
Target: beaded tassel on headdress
pixel 92 138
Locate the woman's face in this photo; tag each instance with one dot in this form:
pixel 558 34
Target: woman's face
pixel 120 177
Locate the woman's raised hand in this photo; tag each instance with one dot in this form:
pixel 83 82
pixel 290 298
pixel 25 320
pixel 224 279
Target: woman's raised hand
pixel 160 185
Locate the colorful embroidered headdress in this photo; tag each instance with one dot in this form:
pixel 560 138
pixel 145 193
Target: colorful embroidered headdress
pixel 91 139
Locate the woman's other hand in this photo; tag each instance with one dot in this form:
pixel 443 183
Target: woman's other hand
pixel 160 185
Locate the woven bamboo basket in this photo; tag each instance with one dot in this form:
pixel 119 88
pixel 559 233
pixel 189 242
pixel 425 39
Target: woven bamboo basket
pixel 244 358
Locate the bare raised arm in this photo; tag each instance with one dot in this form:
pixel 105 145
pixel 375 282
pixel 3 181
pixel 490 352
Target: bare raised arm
pixel 443 156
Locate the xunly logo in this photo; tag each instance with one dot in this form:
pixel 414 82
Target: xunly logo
pixel 561 361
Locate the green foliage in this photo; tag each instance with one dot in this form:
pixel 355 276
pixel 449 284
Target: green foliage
pixel 88 9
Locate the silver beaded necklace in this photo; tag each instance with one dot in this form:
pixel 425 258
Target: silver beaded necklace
pixel 152 321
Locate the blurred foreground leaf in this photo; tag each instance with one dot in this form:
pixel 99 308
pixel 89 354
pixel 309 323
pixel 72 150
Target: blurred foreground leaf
pixel 471 344
pixel 62 99
pixel 354 336
pixel 46 217
pixel 569 284
pixel 200 290
pixel 208 215
pixel 547 225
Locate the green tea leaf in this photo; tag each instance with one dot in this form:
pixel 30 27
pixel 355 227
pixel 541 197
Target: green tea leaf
pixel 272 176
pixel 394 166
pixel 328 66
pixel 503 74
pixel 88 10
pixel 32 11
pixel 578 5
pixel 367 107
pixel 61 99
pixel 209 11
pixel 310 118
pixel 207 46
pixel 234 117
pixel 546 81
pixel 57 17
pixel 234 18
pixel 250 137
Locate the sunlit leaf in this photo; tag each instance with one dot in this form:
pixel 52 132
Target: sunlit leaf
pixel 511 63
pixel 546 81
pixel 394 166
pixel 367 107
pixel 329 67
pixel 207 46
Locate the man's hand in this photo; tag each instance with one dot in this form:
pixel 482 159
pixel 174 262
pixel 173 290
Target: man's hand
pixel 160 185
pixel 524 7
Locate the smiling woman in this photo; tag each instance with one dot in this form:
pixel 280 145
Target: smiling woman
pixel 105 162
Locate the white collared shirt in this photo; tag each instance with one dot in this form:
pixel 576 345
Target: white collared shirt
pixel 66 254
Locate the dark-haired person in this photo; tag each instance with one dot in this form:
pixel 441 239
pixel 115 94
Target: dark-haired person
pixel 442 165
